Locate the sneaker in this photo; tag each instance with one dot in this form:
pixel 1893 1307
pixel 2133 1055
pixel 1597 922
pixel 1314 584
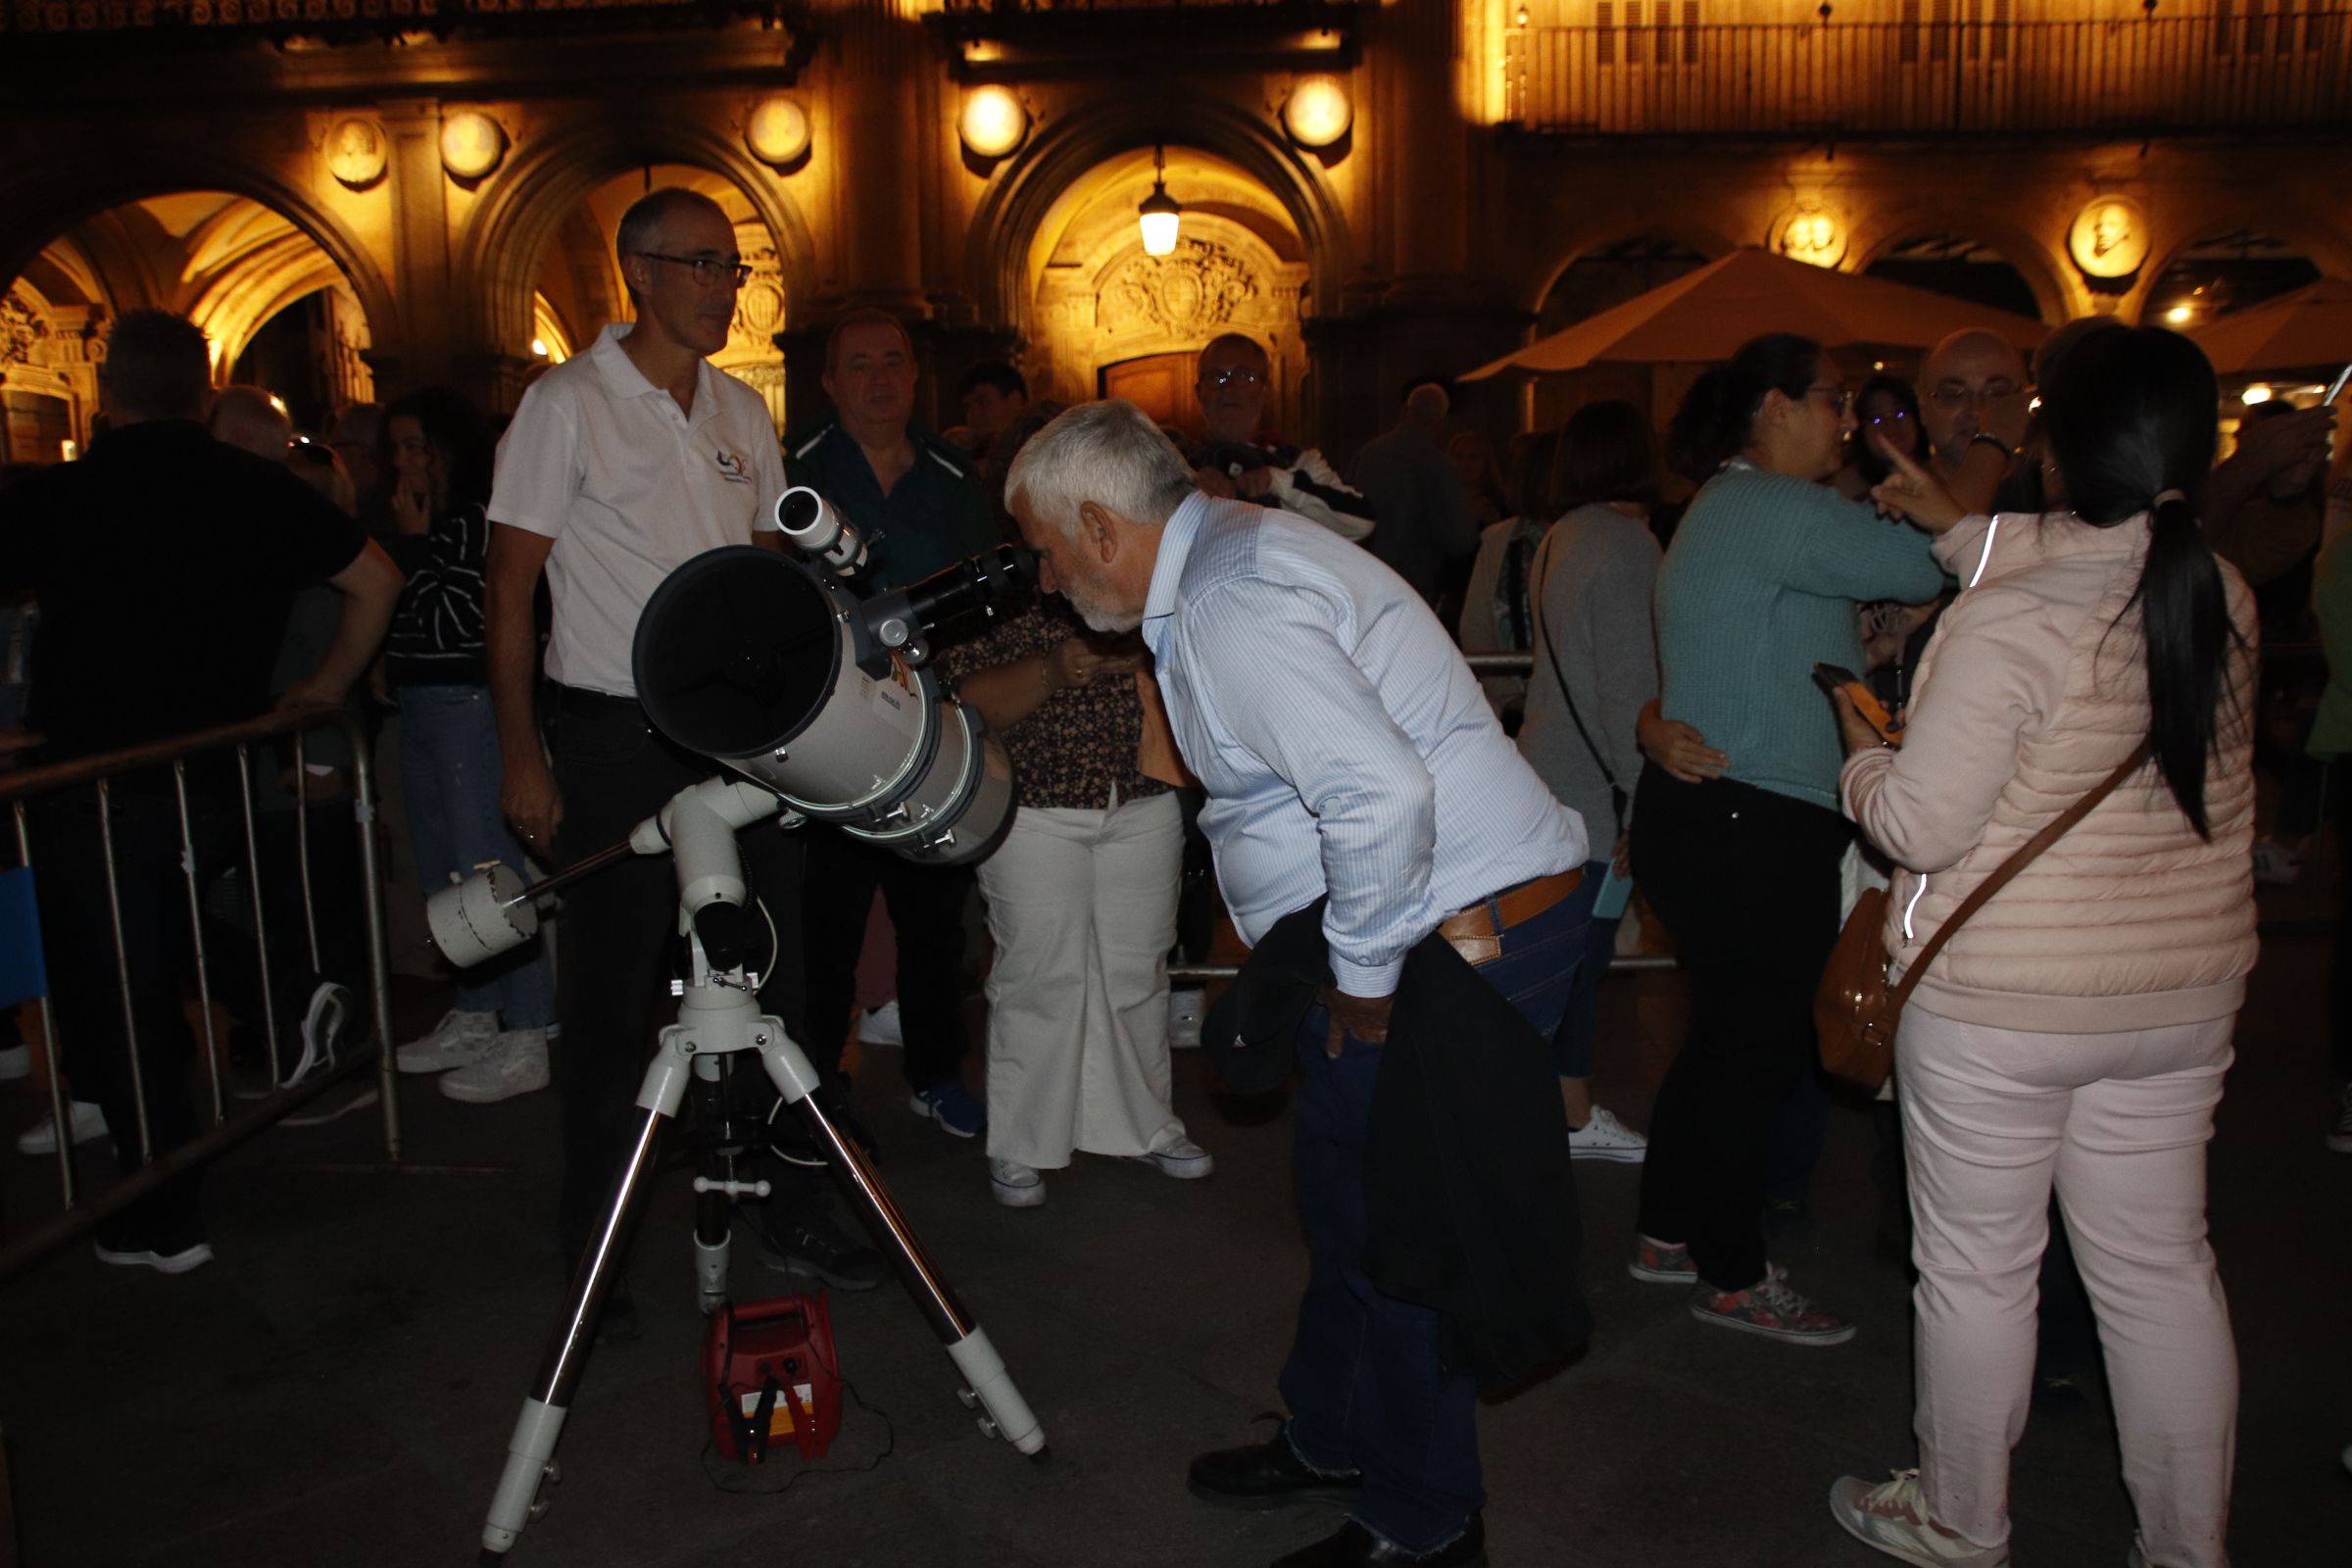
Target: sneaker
pixel 1015 1185
pixel 516 1063
pixel 817 1249
pixel 88 1122
pixel 16 1063
pixel 1892 1518
pixel 1604 1136
pixel 1185 1010
pixel 880 1027
pixel 179 1262
pixel 322 1030
pixel 459 1040
pixel 952 1105
pixel 1769 1307
pixel 2340 1140
pixel 1661 1262
pixel 1181 1158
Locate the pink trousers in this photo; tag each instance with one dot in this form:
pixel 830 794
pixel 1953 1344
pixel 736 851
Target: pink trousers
pixel 1991 1118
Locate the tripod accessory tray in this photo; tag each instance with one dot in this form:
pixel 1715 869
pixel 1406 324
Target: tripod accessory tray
pixel 769 1376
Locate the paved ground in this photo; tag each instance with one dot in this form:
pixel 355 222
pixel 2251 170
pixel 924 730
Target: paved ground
pixel 338 1388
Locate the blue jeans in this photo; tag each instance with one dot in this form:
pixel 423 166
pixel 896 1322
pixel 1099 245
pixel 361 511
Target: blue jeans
pixel 450 770
pixel 1572 1040
pixel 1363 1383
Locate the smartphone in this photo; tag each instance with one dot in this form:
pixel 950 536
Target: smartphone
pixel 1837 678
pixel 1615 892
pixel 2335 388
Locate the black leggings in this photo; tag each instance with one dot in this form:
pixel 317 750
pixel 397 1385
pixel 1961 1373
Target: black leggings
pixel 1746 880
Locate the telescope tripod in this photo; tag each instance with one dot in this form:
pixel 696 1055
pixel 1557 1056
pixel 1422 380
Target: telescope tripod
pixel 719 1017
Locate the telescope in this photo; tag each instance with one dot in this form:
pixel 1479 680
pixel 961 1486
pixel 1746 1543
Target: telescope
pixel 774 668
pixel 824 702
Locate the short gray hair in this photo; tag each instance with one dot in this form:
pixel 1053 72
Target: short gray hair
pixel 1109 453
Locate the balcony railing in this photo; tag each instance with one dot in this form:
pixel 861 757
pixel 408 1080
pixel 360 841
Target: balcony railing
pixel 349 19
pixel 2226 72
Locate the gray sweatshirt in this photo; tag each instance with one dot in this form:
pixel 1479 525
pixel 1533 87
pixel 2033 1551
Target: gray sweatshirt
pixel 1592 583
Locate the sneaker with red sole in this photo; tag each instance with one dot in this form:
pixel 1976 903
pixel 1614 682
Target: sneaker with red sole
pixel 1769 1307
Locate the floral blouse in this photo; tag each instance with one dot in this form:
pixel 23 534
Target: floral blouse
pixel 1079 744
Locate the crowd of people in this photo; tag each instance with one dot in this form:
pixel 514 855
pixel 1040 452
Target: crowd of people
pixel 1241 645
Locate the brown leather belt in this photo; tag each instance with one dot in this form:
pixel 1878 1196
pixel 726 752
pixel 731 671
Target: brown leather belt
pixel 1477 931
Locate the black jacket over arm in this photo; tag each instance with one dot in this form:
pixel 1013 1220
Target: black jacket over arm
pixel 1469 1196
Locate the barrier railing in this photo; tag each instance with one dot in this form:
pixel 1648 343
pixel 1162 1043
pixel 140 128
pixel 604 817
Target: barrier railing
pixel 99 775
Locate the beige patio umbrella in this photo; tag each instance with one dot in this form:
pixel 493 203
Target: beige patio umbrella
pixel 2306 328
pixel 1708 313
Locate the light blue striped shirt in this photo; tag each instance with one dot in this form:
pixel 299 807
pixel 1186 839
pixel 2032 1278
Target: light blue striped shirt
pixel 1346 746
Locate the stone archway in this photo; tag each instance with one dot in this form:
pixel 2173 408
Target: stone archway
pixel 551 194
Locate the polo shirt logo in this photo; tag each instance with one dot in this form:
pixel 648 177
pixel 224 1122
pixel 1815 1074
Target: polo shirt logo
pixel 731 468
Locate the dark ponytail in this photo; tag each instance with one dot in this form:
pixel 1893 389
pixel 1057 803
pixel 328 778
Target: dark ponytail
pixel 1719 413
pixel 2131 419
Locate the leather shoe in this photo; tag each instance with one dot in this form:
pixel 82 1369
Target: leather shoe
pixel 1268 1475
pixel 1354 1546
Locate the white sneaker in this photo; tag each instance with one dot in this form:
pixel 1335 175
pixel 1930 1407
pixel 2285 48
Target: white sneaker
pixel 90 1124
pixel 880 1027
pixel 324 1026
pixel 516 1063
pixel 1183 1160
pixel 459 1040
pixel 1892 1518
pixel 192 1256
pixel 1185 1009
pixel 16 1063
pixel 1015 1185
pixel 1604 1136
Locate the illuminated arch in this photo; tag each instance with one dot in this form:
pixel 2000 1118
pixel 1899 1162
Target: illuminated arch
pixel 2058 295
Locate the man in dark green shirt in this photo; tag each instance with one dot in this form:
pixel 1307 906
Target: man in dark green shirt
pixel 919 507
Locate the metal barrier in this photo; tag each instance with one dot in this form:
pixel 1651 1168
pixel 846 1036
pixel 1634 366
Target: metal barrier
pixel 99 772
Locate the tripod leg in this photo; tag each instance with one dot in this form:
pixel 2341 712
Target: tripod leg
pixel 1005 1414
pixel 530 1451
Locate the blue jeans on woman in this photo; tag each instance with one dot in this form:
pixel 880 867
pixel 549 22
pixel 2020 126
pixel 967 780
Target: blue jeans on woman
pixel 1363 1383
pixel 450 770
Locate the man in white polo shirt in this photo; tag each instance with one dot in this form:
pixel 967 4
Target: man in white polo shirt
pixel 620 464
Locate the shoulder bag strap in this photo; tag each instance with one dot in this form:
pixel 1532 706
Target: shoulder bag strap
pixel 1537 580
pixel 2057 829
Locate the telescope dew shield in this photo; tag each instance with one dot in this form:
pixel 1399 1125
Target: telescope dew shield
pixel 481 917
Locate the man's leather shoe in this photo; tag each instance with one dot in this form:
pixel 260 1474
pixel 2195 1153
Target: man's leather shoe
pixel 1354 1547
pixel 1268 1475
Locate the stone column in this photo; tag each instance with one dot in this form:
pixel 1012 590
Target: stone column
pixel 419 351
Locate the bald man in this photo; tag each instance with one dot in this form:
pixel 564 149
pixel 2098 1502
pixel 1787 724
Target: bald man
pixel 249 419
pixel 1966 377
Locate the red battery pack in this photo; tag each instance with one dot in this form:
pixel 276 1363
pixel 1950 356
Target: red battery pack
pixel 770 1376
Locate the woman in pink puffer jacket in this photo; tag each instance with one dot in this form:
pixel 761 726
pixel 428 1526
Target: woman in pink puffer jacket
pixel 2075 1030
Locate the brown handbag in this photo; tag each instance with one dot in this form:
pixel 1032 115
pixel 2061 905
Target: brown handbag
pixel 1855 1011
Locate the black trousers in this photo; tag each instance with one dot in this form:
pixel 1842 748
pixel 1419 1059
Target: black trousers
pixel 85 988
pixel 926 905
pixel 1746 880
pixel 618 945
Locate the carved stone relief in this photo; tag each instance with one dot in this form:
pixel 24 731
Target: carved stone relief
pixel 1194 291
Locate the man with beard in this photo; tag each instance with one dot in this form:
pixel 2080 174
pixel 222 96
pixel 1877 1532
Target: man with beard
pixel 623 463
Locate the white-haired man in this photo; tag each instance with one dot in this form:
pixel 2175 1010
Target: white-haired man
pixel 1351 762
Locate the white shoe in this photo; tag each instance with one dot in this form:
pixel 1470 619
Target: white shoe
pixel 188 1257
pixel 1185 1009
pixel 516 1063
pixel 1015 1185
pixel 16 1063
pixel 324 1026
pixel 880 1027
pixel 90 1124
pixel 459 1040
pixel 1183 1160
pixel 1604 1136
pixel 1892 1518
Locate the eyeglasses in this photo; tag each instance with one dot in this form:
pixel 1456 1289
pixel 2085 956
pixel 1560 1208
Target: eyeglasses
pixel 1842 397
pixel 1232 377
pixel 1961 396
pixel 707 270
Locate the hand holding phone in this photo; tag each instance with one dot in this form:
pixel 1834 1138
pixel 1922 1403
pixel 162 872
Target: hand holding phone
pixel 1834 678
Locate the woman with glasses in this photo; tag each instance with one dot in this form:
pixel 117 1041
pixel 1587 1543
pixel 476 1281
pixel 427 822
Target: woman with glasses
pixel 2074 1034
pixel 1740 857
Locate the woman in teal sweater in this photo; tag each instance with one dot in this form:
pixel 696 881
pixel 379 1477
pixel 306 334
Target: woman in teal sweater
pixel 1743 867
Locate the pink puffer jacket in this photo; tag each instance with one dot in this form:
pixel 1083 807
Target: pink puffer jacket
pixel 2032 691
